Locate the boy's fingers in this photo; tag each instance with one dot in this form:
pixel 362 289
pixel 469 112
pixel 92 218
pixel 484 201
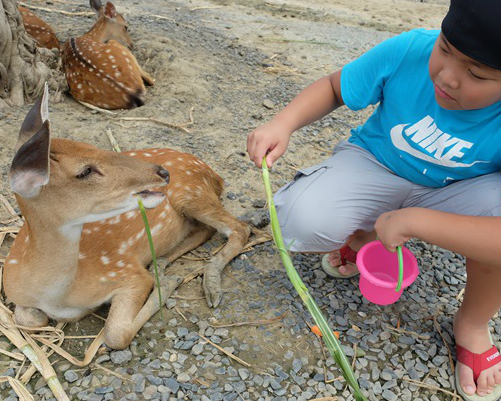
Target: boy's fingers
pixel 274 155
pixel 260 152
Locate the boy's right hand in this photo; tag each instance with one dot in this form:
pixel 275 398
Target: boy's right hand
pixel 270 139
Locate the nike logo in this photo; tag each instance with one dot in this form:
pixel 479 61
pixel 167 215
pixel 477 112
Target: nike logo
pixel 434 143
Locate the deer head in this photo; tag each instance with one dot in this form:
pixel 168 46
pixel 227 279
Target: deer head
pixel 109 25
pixel 77 183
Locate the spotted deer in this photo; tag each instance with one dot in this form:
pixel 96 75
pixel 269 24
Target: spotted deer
pixel 38 29
pixel 99 67
pixel 83 243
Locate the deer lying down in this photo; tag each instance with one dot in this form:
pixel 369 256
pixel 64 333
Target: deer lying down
pixel 83 243
pixel 38 29
pixel 100 69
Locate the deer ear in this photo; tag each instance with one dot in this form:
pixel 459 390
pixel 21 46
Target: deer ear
pixel 97 6
pixel 110 10
pixel 29 170
pixel 38 114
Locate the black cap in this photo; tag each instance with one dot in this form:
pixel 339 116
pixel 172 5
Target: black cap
pixel 474 28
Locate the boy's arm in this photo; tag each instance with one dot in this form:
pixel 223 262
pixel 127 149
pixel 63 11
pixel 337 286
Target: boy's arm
pixel 474 237
pixel 313 103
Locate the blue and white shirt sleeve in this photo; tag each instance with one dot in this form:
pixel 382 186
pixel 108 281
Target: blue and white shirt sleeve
pixel 363 80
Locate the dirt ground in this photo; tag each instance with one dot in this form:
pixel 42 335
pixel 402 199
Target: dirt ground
pixel 232 64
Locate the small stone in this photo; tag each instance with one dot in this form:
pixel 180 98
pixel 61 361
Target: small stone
pixel 70 376
pixel 119 357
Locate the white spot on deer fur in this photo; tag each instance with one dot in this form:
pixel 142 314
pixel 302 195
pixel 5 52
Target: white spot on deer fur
pixel 178 184
pixel 120 263
pixel 147 154
pixel 13 261
pixel 27 238
pixel 123 248
pixel 108 50
pixel 154 151
pixel 130 215
pixel 169 192
pixel 117 74
pixel 113 66
pixel 156 229
pixel 180 159
pixel 132 153
pixel 188 172
pixel 105 260
pixel 140 234
pixel 103 280
pixel 163 214
pixel 168 164
pixel 127 59
pixel 79 86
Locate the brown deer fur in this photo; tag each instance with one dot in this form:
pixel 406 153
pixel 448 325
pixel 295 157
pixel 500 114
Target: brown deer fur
pixel 38 29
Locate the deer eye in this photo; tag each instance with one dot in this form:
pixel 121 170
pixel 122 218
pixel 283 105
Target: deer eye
pixel 88 170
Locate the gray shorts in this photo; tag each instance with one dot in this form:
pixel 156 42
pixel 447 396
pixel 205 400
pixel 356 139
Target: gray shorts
pixel 326 203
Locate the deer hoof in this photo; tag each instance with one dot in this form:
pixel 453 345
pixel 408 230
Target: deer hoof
pixel 30 317
pixel 212 288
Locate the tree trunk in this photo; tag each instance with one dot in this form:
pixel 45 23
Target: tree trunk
pixel 24 68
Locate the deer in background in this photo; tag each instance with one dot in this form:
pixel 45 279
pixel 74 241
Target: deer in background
pixel 38 29
pixel 83 243
pixel 99 67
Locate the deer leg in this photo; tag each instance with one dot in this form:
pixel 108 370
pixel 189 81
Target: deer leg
pixel 147 78
pixel 197 237
pixel 214 215
pixel 30 317
pixel 129 311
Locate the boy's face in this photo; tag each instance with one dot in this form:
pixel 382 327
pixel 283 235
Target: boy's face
pixel 460 82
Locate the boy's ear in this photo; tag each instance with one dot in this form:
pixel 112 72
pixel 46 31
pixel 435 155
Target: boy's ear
pixel 97 6
pixel 29 170
pixel 38 114
pixel 109 10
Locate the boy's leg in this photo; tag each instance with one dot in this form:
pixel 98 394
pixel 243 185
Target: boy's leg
pixel 479 196
pixel 325 204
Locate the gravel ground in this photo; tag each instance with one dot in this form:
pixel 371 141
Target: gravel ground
pixel 219 59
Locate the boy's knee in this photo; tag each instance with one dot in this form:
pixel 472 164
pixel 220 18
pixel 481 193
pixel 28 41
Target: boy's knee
pixel 309 230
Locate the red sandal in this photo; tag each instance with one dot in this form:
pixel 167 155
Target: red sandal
pixel 348 255
pixel 478 363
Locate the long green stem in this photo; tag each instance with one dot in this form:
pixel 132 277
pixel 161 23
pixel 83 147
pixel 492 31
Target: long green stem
pixel 153 255
pixel 400 268
pixel 331 341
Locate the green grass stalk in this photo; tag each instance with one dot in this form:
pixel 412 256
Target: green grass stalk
pixel 330 339
pixel 153 255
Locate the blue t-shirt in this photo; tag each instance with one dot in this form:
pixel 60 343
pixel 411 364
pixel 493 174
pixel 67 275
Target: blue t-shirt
pixel 409 132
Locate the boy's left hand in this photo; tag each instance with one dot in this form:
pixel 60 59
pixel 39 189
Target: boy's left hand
pixel 393 228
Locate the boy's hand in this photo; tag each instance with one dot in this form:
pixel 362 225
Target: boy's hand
pixel 272 139
pixel 393 228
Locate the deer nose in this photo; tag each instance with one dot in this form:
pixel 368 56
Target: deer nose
pixel 163 173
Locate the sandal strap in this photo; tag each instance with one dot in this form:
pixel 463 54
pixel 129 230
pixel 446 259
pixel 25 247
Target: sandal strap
pixel 347 255
pixel 478 362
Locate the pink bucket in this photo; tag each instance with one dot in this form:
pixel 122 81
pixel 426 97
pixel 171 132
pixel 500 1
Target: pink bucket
pixel 379 272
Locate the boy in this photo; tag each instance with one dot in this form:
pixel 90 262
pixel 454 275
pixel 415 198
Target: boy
pixel 434 142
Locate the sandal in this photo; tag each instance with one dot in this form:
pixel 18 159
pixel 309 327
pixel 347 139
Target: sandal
pixel 348 256
pixel 478 363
